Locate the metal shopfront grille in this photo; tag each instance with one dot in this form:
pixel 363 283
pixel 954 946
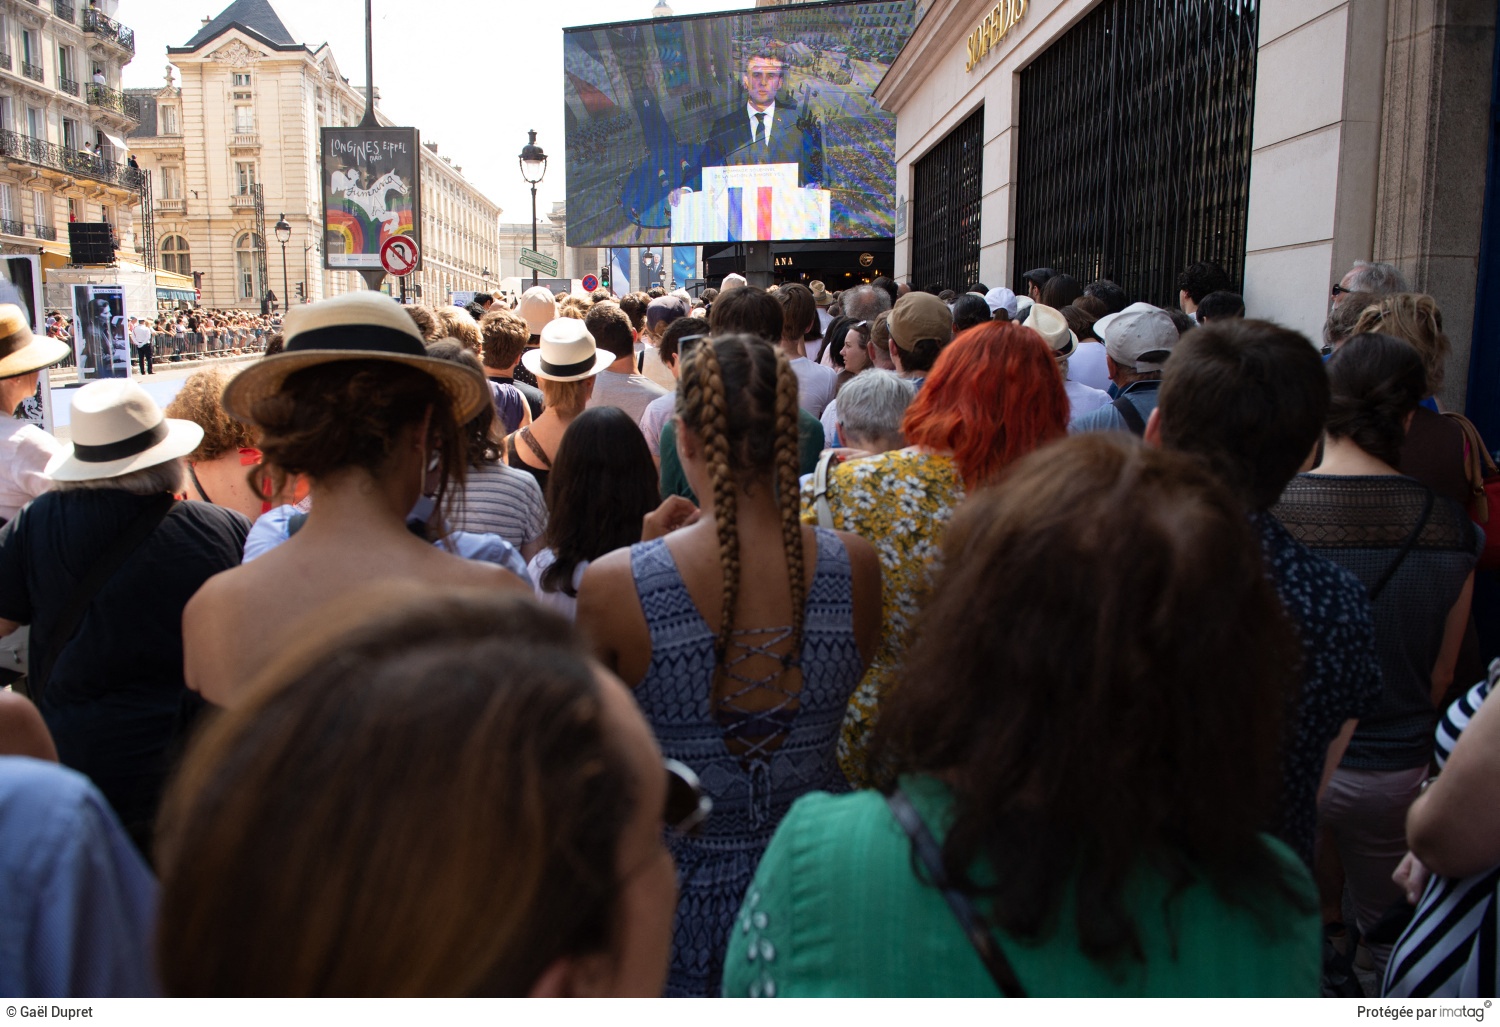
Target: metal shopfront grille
pixel 1134 144
pixel 945 208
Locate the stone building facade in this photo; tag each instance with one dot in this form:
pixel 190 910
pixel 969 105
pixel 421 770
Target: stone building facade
pixel 63 122
pixel 247 112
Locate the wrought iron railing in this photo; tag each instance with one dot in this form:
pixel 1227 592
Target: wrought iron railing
pixel 1133 150
pixel 67 85
pixel 115 100
pixel 5 61
pixel 61 158
pixel 100 24
pixel 65 11
pixel 45 232
pixel 946 194
pixel 33 71
pixel 10 227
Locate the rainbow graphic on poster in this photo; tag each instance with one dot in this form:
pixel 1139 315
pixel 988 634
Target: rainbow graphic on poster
pixel 371 192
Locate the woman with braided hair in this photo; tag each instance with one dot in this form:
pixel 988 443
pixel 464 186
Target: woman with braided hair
pixel 743 634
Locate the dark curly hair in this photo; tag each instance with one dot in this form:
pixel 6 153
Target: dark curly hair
pixel 350 414
pixel 1377 381
pixel 603 482
pixel 1080 740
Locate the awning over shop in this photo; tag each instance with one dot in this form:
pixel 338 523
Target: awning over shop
pixel 175 295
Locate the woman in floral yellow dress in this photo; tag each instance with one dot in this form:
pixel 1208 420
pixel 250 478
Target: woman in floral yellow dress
pixel 994 395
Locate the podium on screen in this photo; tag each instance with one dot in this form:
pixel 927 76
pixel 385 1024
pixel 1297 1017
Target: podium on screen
pixel 751 203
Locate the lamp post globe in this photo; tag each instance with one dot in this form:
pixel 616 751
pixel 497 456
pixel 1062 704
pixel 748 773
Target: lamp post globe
pixel 533 168
pixel 283 235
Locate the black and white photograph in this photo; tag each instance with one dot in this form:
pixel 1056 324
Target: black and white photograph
pixel 99 332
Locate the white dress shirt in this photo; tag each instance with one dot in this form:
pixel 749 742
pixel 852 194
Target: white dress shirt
pixel 769 112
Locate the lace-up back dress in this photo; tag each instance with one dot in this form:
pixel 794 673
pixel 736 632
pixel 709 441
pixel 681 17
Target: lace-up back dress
pixel 758 741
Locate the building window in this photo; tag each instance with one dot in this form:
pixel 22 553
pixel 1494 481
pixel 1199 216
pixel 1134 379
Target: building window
pixel 241 80
pixel 7 114
pixel 168 125
pixel 70 133
pixel 171 183
pixel 244 120
pixel 36 123
pixel 1147 182
pixel 107 214
pixel 31 51
pixel 75 209
pixel 247 250
pixel 7 202
pixel 41 208
pixel 65 62
pixel 174 255
pixel 946 195
pixel 244 176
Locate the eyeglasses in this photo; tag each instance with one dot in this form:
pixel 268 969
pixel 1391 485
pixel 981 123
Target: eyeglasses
pixel 687 807
pixel 1339 290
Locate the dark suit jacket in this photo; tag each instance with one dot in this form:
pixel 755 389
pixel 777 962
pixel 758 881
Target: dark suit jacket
pixel 730 143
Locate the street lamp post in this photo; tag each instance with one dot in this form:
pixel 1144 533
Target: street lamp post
pixel 306 280
pixel 283 234
pixel 533 167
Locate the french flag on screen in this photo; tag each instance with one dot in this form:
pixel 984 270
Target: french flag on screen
pixel 762 228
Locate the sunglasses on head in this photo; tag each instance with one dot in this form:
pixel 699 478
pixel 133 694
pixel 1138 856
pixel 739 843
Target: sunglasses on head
pixel 687 807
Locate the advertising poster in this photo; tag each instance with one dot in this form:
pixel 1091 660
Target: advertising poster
pixel 753 125
pixel 372 190
pixel 99 341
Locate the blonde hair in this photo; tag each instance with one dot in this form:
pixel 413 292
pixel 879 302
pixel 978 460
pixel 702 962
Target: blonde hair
pixel 1416 318
pixel 566 399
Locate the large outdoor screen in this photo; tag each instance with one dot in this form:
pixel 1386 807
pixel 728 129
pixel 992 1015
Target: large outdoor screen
pixel 733 127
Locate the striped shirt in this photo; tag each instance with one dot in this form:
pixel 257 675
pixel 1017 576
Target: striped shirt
pixel 1451 948
pixel 500 500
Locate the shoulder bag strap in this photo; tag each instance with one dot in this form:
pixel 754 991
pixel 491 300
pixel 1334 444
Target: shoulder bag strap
pixel 931 855
pixel 1411 540
pixel 1131 415
pixel 1478 465
pixel 71 615
pixel 536 448
pixel 820 489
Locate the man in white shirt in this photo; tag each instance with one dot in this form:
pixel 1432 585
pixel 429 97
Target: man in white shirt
pixel 143 337
pixel 816 384
pixel 619 386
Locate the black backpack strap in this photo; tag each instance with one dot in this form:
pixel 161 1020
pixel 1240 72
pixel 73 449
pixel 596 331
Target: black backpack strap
pixel 1411 540
pixel 931 855
pixel 1132 416
pixel 71 615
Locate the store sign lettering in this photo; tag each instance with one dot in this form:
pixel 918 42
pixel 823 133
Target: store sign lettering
pixel 995 27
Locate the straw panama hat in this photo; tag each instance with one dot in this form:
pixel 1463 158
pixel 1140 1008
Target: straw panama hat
pixel 1049 323
pixel 20 351
pixel 118 428
pixel 567 353
pixel 354 326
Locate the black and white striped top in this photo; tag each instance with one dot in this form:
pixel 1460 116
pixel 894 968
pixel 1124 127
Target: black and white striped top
pixel 1451 949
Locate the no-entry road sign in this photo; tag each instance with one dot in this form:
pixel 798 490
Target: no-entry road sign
pixel 399 255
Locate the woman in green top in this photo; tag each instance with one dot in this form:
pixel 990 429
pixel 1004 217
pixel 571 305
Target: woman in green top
pixel 1088 723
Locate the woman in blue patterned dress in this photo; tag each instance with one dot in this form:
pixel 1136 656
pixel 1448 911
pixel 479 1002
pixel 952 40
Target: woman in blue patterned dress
pixel 744 634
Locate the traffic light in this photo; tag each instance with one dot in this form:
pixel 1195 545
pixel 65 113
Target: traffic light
pixel 604 277
pixel 300 291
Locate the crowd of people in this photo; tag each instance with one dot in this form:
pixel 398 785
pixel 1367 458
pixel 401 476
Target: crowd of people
pixel 765 643
pixel 181 335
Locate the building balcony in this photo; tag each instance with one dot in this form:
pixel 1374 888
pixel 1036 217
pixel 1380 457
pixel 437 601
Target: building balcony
pixel 15 146
pixel 65 11
pixel 177 206
pixel 33 71
pixel 67 85
pixel 115 100
pixel 5 61
pixel 245 139
pixel 242 201
pixel 9 227
pixel 45 232
pixel 107 28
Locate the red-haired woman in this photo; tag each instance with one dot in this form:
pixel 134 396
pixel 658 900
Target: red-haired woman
pixel 993 396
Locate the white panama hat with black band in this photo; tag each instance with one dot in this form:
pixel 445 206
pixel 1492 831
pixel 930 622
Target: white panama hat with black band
pixel 118 428
pixel 567 353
